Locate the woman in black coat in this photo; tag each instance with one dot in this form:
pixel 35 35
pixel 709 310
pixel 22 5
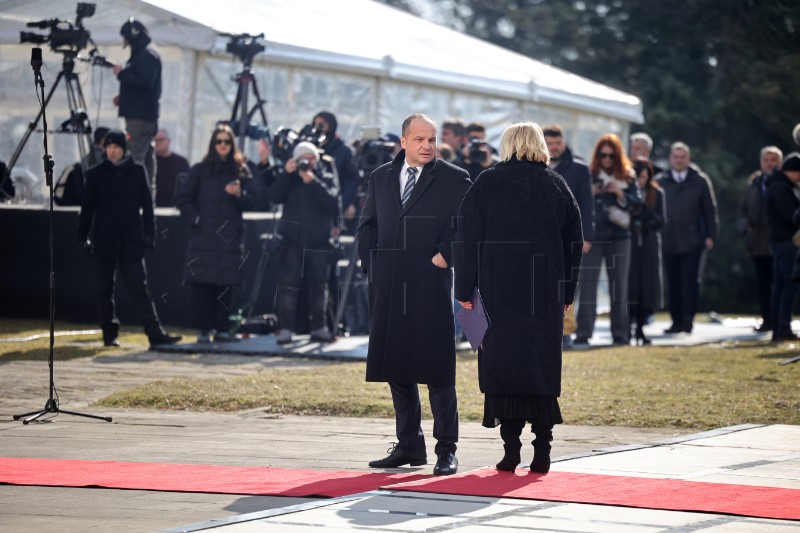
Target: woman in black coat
pixel 212 199
pixel 644 278
pixel 519 241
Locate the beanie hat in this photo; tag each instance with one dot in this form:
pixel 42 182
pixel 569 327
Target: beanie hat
pixel 328 117
pixel 303 148
pixel 792 162
pixel 116 137
pixel 132 30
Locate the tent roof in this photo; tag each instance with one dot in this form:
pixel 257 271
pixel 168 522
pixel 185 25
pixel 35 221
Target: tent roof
pixel 352 35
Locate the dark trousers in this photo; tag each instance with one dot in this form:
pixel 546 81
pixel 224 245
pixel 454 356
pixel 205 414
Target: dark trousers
pixel 134 276
pixel 784 290
pixel 408 417
pixel 211 306
pixel 764 267
pixel 683 281
pixel 617 257
pixel 298 264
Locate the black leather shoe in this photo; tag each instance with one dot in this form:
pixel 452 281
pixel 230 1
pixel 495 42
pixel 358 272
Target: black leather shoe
pixel 674 328
pixel 163 338
pixel 111 342
pixel 399 457
pixel 446 465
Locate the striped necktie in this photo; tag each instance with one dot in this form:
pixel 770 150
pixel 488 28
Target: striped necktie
pixel 409 188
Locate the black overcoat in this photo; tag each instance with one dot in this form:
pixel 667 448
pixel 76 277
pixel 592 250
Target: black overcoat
pixel 645 277
pixel 520 240
pixel 215 252
pixel 117 208
pixel 410 304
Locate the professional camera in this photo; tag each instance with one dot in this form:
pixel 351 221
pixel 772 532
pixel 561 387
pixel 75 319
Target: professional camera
pixel 254 130
pixel 285 139
pixel 64 36
pixel 373 150
pixel 303 165
pixel 478 150
pixel 244 46
pixel 312 134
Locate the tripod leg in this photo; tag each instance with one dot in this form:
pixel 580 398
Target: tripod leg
pixel 348 277
pixel 73 413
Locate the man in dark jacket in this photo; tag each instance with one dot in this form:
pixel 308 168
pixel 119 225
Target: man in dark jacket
pixel 404 243
pixel 139 95
pixel 783 203
pixel 116 190
pixel 308 190
pixel 342 155
pixel 753 226
pixel 579 180
pixel 690 231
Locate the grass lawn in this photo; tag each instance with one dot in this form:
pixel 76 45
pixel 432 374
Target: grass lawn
pixel 666 387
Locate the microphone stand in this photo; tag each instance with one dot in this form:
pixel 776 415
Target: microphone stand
pixel 52 402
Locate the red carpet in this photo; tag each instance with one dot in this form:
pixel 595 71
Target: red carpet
pixel 649 493
pixel 261 481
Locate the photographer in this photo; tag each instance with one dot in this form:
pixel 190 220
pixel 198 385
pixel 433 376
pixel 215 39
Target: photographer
pixel 309 191
pixel 139 95
pixel 342 155
pixel 477 155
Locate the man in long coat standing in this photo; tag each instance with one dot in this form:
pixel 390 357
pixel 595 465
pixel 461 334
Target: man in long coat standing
pixel 404 243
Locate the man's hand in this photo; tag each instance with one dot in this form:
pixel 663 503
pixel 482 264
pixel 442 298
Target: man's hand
pixel 439 261
pixel 465 305
pixel 709 244
pixel 586 247
pixel 117 69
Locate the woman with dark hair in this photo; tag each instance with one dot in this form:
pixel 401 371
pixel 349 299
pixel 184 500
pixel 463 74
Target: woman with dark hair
pixel 645 278
pixel 520 242
pixel 212 199
pixel 615 195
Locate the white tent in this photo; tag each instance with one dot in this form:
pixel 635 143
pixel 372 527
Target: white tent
pixel 369 64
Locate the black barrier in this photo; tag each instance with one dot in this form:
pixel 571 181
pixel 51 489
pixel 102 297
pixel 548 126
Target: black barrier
pixel 24 268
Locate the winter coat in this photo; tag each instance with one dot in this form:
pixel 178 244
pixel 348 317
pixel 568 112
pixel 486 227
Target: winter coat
pixel 753 216
pixel 646 264
pixel 604 229
pixel 691 211
pixel 410 305
pixel 576 174
pixel 215 252
pixel 520 241
pixel 113 197
pixel 309 211
pixel 140 82
pixel 783 199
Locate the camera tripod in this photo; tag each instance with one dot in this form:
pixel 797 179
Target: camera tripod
pixel 245 79
pixel 51 406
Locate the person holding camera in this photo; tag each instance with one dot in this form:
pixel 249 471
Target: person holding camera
pixel 212 198
pixel 139 95
pixel 115 226
pixel 349 178
pixel 615 195
pixel 309 191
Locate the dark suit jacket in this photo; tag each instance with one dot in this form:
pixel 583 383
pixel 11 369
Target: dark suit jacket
pixel 112 200
pixel 411 311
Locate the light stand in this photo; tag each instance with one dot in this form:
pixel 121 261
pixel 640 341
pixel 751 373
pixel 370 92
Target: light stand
pixel 52 402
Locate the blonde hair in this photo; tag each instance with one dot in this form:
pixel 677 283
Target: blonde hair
pixel 524 140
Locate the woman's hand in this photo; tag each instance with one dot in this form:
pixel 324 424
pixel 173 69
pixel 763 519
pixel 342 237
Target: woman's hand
pixel 234 188
pixel 439 261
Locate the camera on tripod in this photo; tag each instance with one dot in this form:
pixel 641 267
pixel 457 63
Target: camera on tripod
pixel 64 36
pixel 244 46
pixel 373 150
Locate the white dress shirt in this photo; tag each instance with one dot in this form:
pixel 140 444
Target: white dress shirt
pixel 404 176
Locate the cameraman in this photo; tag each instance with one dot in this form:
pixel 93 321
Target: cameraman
pixel 342 155
pixel 477 156
pixel 139 95
pixel 309 191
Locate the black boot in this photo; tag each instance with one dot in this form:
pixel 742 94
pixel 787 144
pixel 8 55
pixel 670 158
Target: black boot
pixel 541 449
pixel 510 430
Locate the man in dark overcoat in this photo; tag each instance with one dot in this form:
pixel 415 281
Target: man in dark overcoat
pixel 113 230
pixel 404 243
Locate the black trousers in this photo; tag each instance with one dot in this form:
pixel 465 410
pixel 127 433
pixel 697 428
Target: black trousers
pixel 408 417
pixel 211 306
pixel 764 267
pixel 134 276
pixel 683 280
pixel 298 264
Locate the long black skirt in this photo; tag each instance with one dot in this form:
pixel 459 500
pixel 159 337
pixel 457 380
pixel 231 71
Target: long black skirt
pixel 538 410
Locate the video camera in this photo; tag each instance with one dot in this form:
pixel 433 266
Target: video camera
pixel 286 139
pixel 477 154
pixel 64 36
pixel 244 46
pixel 253 131
pixel 373 150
